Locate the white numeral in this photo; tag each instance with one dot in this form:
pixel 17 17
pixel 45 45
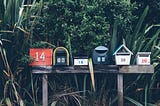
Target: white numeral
pixel 42 57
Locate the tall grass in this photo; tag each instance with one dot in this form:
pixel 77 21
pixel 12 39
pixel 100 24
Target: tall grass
pixel 14 36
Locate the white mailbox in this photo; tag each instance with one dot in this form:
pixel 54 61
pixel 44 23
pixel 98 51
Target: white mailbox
pixel 80 61
pixel 122 55
pixel 143 58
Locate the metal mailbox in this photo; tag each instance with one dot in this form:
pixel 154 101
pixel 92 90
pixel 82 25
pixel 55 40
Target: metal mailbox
pixel 41 57
pixel 80 61
pixel 143 58
pixel 61 56
pixel 100 55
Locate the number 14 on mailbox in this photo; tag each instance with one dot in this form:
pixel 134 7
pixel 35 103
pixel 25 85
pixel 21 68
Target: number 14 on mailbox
pixel 41 57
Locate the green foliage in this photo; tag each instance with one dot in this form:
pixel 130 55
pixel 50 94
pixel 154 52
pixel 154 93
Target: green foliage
pixel 42 44
pixel 25 60
pixel 80 26
pixel 65 19
pixel 133 101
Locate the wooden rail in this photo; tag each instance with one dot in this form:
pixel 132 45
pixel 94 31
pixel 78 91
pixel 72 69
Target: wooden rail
pixel 97 69
pixel 108 69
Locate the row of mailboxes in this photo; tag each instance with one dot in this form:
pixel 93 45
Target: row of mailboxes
pixel 61 57
pixel 100 55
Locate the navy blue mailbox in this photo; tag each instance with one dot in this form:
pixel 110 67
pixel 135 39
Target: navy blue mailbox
pixel 100 55
pixel 60 56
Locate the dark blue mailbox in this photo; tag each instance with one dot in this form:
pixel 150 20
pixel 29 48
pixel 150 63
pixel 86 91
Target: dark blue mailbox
pixel 100 55
pixel 60 56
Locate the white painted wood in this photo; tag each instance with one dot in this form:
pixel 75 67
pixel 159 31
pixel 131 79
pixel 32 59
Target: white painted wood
pixel 80 61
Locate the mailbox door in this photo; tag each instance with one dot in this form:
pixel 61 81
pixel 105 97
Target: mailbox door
pixel 61 59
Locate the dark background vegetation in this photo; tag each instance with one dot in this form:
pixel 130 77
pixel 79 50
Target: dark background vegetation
pixel 80 26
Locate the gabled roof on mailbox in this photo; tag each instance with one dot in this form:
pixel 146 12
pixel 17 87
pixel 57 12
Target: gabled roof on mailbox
pixel 120 47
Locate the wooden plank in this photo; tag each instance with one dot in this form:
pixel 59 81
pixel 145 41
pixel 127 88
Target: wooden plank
pixel 120 89
pixel 45 90
pixel 137 69
pixel 75 69
pixel 97 69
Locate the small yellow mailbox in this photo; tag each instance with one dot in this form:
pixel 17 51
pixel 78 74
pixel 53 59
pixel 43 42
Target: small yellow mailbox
pixel 60 56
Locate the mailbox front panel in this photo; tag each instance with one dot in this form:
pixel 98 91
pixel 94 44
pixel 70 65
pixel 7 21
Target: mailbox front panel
pixel 61 60
pixel 80 61
pixel 41 57
pixel 122 59
pixel 143 60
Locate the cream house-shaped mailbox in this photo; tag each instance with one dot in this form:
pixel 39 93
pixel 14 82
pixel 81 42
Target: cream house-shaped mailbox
pixel 122 55
pixel 143 58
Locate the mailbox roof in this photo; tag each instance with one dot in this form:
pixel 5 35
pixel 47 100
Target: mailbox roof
pixel 139 53
pixel 120 47
pixel 101 48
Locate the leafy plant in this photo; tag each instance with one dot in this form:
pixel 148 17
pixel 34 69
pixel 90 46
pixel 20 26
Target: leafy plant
pixel 139 41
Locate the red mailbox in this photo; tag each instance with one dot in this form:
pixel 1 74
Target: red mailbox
pixel 41 57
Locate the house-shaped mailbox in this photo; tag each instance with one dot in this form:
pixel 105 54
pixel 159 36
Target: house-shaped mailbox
pixel 100 55
pixel 122 55
pixel 143 58
pixel 60 56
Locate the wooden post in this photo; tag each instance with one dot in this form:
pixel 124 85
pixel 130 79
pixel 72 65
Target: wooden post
pixel 120 89
pixel 45 90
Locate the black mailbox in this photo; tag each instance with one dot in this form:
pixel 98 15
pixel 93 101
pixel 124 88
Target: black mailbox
pixel 61 56
pixel 100 55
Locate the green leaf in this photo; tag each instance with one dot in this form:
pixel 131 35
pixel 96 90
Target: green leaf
pixel 139 25
pixel 157 47
pixel 92 73
pixel 150 27
pixel 149 104
pixel 133 101
pixel 54 103
pixel 84 85
pixel 132 37
pixel 76 81
pixel 8 102
pixel 114 39
pixel 146 95
pixel 151 43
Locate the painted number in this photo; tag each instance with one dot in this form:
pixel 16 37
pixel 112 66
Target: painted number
pixel 123 59
pixel 40 57
pixel 81 62
pixel 144 60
